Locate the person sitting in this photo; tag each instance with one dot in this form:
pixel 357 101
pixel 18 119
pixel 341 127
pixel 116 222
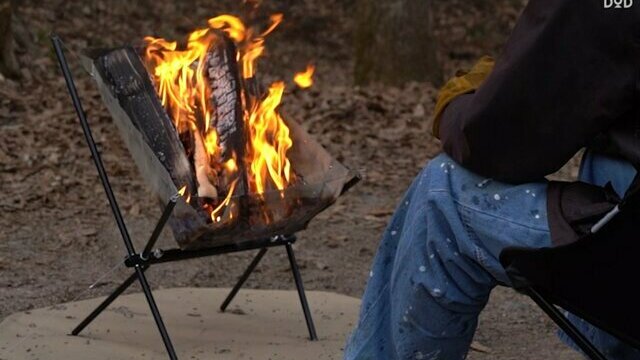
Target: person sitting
pixel 568 79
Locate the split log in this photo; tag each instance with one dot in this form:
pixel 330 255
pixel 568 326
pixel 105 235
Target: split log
pixel 225 98
pixel 394 43
pixel 148 132
pixel 136 95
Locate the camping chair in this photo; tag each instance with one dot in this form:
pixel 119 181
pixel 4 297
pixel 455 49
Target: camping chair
pixel 592 278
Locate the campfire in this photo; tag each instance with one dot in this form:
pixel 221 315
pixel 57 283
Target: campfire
pixel 197 121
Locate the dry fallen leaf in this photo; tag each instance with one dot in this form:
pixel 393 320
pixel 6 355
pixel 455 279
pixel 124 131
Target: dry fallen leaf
pixel 477 346
pixel 375 218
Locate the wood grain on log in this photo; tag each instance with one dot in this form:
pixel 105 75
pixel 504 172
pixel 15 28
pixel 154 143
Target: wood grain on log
pixel 130 84
pixel 225 98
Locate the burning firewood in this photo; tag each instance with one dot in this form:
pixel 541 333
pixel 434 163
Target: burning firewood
pixel 225 97
pixel 205 175
pixel 228 116
pixel 195 115
pixel 133 93
pixel 200 88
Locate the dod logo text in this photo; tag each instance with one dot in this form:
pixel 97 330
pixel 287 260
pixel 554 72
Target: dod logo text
pixel 618 4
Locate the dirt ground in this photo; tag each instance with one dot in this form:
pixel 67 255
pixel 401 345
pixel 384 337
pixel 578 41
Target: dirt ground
pixel 57 236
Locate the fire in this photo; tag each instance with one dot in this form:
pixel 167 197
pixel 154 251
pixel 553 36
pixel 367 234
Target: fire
pixel 270 142
pixel 215 217
pixel 231 25
pixel 252 45
pixel 305 79
pixel 182 88
pixel 182 191
pixel 180 76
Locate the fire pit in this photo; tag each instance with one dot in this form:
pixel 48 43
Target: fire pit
pixel 231 172
pixel 194 119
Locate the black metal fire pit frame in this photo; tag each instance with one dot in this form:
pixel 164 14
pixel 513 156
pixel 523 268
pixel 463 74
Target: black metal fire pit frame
pixel 140 262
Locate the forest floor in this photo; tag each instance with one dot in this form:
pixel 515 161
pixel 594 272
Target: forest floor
pixel 57 235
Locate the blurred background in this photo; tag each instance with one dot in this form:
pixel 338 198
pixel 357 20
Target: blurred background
pixel 379 65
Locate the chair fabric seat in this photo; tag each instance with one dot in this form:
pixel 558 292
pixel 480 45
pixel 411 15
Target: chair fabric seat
pixel 595 277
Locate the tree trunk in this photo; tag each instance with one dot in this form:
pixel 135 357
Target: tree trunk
pixel 394 42
pixel 8 62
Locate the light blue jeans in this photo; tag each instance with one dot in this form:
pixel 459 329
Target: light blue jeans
pixel 438 261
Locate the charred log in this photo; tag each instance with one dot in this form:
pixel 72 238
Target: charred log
pixel 225 98
pixel 131 86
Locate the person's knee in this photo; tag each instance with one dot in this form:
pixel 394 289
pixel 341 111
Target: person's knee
pixel 439 173
pixel 438 163
pixel 434 293
pixel 453 278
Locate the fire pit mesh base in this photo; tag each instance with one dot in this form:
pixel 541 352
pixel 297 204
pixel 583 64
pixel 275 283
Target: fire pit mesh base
pixel 272 213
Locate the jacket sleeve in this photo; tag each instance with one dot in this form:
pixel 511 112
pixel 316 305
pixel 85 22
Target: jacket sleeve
pixel 567 73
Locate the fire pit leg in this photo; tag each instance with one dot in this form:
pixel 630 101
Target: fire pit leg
pixel 117 292
pixel 303 297
pixel 73 92
pixel 242 279
pixel 156 313
pixel 130 280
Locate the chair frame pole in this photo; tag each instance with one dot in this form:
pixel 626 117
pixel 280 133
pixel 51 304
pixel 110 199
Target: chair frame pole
pixel 104 179
pixel 583 343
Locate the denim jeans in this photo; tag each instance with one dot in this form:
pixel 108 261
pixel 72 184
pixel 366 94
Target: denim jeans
pixel 438 260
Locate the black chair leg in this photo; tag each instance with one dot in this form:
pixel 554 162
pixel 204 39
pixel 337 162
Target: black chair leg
pixel 156 313
pixel 139 274
pixel 113 203
pixel 243 279
pixel 111 298
pixel 303 297
pixel 583 343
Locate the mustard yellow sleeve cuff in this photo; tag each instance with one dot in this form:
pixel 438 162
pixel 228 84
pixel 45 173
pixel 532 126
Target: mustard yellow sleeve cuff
pixel 462 83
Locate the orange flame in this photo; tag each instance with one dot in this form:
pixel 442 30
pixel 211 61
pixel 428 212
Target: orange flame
pixel 215 217
pixel 270 142
pixel 180 75
pixel 231 25
pixel 305 79
pixel 182 191
pixel 182 88
pixel 252 46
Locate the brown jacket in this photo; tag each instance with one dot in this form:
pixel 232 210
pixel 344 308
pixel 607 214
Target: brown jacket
pixel 568 78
